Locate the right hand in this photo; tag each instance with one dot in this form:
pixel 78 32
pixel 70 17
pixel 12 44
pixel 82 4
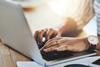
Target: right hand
pixel 66 44
pixel 44 33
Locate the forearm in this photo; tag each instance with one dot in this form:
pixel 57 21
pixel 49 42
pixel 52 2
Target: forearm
pixel 72 27
pixel 76 24
pixel 69 26
pixel 86 14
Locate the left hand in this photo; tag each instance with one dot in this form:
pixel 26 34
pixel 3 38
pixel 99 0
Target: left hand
pixel 65 44
pixel 47 33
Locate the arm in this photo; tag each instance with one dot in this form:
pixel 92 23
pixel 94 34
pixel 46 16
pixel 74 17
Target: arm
pixel 83 15
pixel 66 44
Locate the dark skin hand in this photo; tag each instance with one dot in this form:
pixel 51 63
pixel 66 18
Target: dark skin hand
pixel 66 43
pixel 45 33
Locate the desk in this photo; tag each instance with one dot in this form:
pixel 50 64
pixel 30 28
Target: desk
pixel 8 57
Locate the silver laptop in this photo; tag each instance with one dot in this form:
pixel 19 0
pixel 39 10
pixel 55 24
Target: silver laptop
pixel 16 33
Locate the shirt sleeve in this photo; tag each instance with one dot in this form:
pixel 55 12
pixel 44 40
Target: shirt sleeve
pixel 97 13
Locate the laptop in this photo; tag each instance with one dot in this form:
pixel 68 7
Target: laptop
pixel 16 32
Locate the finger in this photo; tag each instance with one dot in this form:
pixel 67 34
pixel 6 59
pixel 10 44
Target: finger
pixel 55 34
pixel 50 49
pixel 48 45
pixel 41 35
pixel 55 44
pixel 39 38
pixel 51 42
pixel 51 33
pixel 49 30
pixel 55 41
pixel 36 35
pixel 56 48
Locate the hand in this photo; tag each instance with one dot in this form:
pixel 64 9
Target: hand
pixel 98 46
pixel 66 44
pixel 44 33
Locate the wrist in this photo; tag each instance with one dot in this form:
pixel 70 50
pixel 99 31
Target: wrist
pixel 93 41
pixel 88 45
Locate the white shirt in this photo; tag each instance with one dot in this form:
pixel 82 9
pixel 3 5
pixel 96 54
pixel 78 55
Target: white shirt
pixel 97 13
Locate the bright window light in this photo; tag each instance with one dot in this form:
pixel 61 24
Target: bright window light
pixel 64 7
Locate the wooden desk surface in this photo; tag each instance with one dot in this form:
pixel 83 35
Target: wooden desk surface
pixel 8 57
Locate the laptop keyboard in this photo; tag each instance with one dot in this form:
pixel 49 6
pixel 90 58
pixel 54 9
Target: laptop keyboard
pixel 54 55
